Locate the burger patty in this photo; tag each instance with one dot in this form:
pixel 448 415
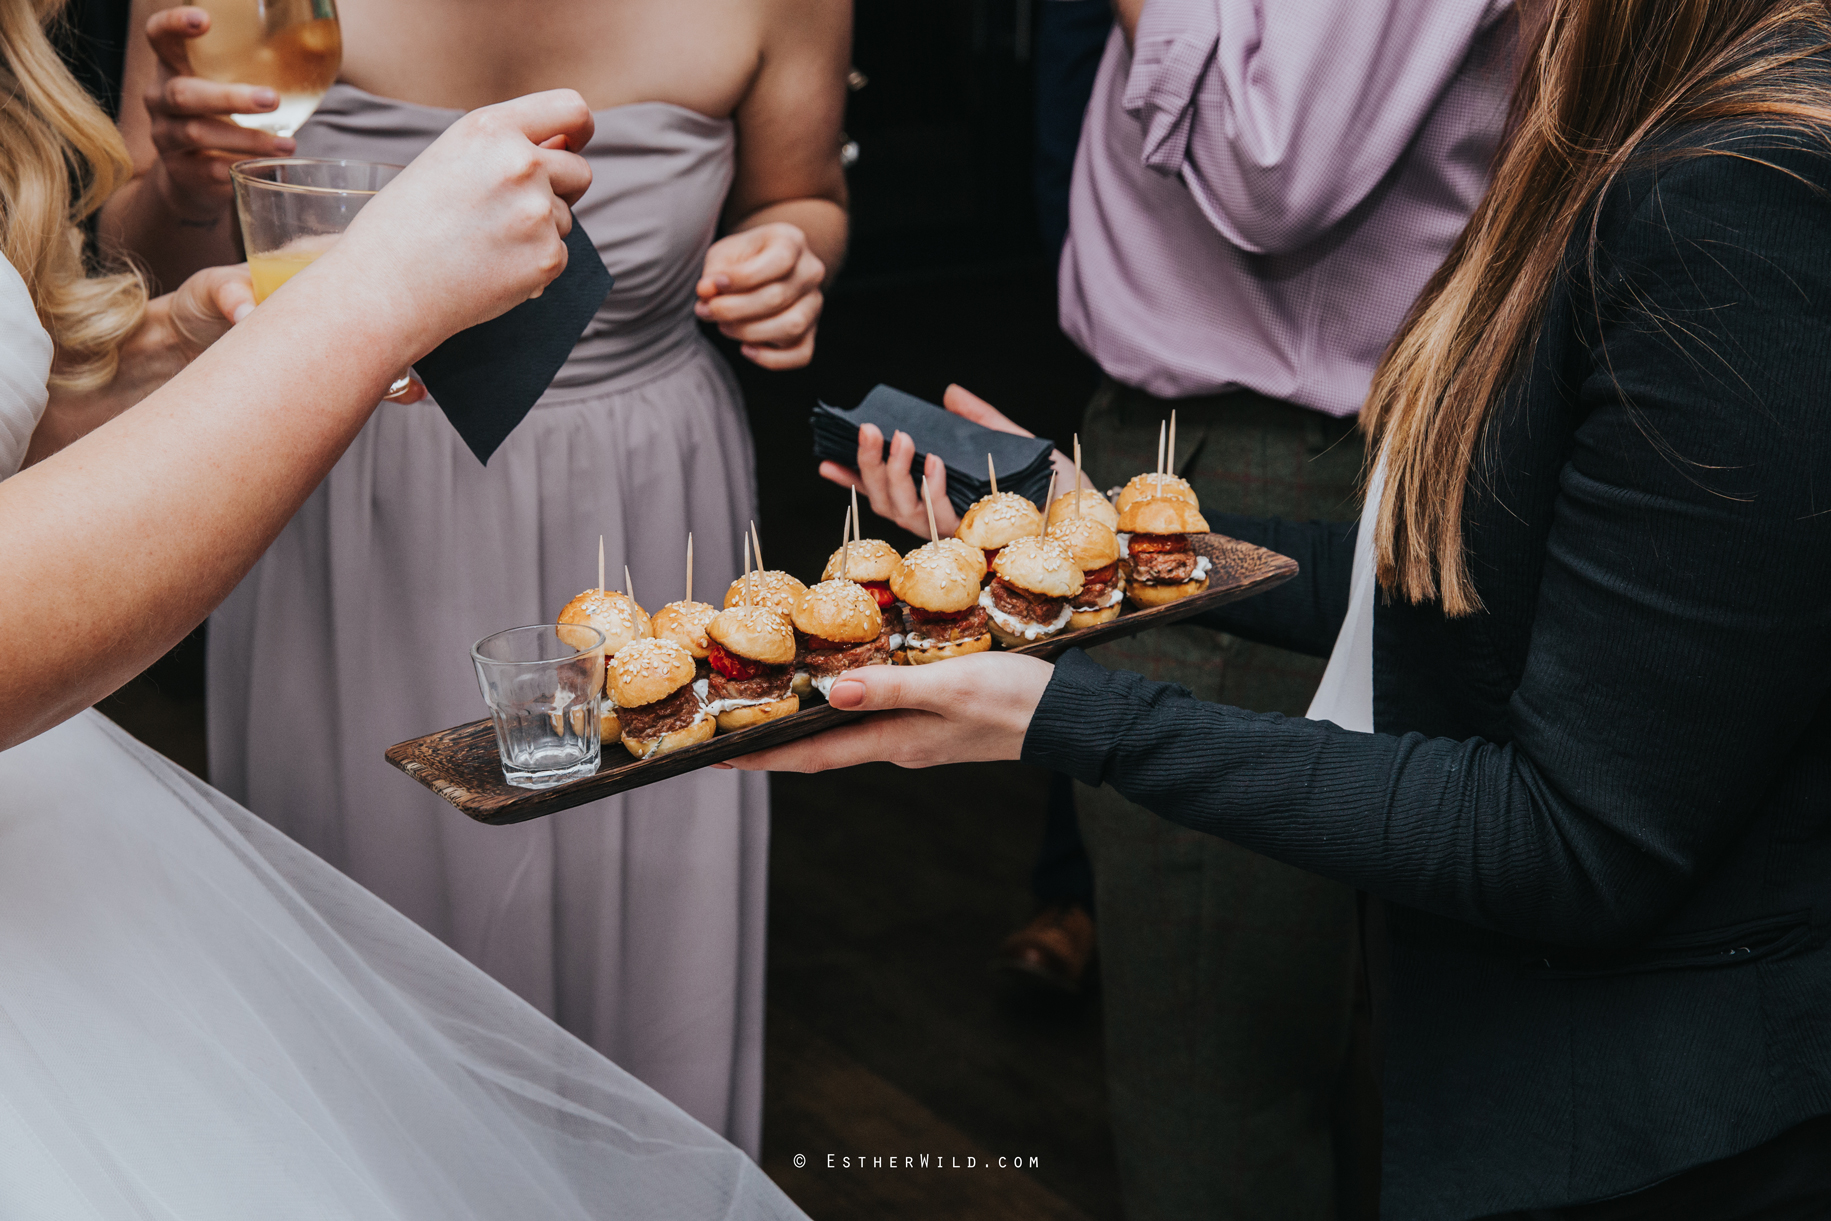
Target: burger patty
pixel 966 625
pixel 824 662
pixel 1163 567
pixel 676 712
pixel 1022 604
pixel 771 683
pixel 1094 592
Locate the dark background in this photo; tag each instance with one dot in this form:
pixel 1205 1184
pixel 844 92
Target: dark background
pixel 887 1032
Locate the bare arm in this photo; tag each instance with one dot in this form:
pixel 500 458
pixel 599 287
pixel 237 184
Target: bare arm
pixel 117 545
pixel 787 206
pixel 176 214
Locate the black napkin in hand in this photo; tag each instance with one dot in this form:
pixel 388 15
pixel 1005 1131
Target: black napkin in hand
pixel 1023 462
pixel 488 378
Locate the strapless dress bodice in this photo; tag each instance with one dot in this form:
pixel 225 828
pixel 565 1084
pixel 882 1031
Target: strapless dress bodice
pixel 660 173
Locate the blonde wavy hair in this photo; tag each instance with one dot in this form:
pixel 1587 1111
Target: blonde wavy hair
pixel 1599 79
pixel 60 159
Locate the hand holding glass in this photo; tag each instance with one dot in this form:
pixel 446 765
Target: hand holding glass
pixel 294 47
pixel 293 209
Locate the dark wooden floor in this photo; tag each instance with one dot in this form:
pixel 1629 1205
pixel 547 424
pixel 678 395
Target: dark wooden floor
pixel 888 1036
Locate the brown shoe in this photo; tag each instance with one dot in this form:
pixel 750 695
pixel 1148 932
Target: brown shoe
pixel 1053 950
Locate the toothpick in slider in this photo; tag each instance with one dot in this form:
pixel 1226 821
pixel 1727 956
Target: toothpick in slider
pixel 1170 463
pixel 746 570
pixel 1042 528
pixel 845 546
pixel 855 530
pixel 991 473
pixel 758 540
pixel 600 563
pixel 1077 474
pixel 689 566
pixel 629 587
pixel 934 535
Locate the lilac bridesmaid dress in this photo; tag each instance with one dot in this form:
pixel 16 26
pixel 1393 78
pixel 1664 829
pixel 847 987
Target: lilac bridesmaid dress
pixel 636 922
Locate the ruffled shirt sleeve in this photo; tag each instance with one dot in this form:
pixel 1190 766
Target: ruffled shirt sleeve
pixel 1281 117
pixel 25 364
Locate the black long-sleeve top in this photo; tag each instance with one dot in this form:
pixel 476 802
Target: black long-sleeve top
pixel 1600 809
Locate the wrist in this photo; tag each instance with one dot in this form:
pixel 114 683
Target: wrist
pixel 182 206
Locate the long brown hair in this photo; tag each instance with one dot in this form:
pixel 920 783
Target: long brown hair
pixel 52 134
pixel 1598 77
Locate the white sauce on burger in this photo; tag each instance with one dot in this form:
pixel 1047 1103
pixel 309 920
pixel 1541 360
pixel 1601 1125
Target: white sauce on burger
pixel 1023 627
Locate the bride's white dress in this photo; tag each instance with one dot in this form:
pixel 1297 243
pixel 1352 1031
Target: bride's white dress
pixel 201 1021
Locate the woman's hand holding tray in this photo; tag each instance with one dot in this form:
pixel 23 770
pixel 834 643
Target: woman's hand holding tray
pixel 461 764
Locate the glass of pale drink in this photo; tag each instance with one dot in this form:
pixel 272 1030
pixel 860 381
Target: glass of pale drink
pixel 544 686
pixel 293 209
pixel 294 47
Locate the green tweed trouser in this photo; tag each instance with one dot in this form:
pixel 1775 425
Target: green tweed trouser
pixel 1228 979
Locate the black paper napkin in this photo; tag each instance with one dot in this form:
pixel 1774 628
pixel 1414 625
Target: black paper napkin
pixel 1023 462
pixel 487 378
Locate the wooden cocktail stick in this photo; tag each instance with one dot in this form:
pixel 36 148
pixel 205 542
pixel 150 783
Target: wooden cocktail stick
pixel 856 532
pixel 1160 439
pixel 1077 474
pixel 758 540
pixel 991 473
pixel 1170 464
pixel 845 546
pixel 629 587
pixel 600 563
pixel 1043 527
pixel 746 570
pixel 689 565
pixel 934 535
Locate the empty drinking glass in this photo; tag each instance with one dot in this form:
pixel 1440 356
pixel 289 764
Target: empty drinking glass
pixel 544 686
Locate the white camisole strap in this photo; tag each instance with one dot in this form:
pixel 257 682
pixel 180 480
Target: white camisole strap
pixel 1346 694
pixel 25 363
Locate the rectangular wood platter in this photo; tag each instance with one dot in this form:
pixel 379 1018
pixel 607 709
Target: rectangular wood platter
pixel 461 764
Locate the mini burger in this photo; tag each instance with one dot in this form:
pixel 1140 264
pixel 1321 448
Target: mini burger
pixel 621 621
pixel 841 629
pixel 1084 503
pixel 753 664
pixel 1159 564
pixel 1096 553
pixel 770 587
pixel 871 563
pixel 685 624
pixel 1145 487
pixel 1032 581
pixel 939 583
pixel 996 520
pixel 652 684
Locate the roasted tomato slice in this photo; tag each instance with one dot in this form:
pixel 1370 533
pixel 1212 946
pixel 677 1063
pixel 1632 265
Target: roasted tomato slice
pixel 1159 542
pixel 733 667
pixel 881 591
pixel 1100 575
pixel 991 557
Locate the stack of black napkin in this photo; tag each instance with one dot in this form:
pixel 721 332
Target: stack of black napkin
pixel 1022 462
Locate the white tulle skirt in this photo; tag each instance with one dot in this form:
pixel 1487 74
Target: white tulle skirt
pixel 201 1021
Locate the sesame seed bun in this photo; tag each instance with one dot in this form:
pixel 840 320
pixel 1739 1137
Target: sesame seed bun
pixel 1166 516
pixel 1144 487
pixel 685 624
pixel 1040 565
pixel 609 727
pixel 755 632
pixel 1093 505
pixel 871 559
pixel 843 611
pixel 940 577
pixel 702 729
pixel 755 714
pixel 1147 596
pixel 997 519
pixel 1092 543
pixel 612 613
pixel 1093 618
pixel 772 588
pixel 941 652
pixel 644 671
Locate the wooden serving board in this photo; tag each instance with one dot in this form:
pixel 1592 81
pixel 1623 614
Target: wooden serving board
pixel 462 766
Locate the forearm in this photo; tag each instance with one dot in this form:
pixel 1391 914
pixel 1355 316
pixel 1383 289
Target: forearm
pixel 1459 829
pixel 170 242
pixel 823 221
pixel 121 543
